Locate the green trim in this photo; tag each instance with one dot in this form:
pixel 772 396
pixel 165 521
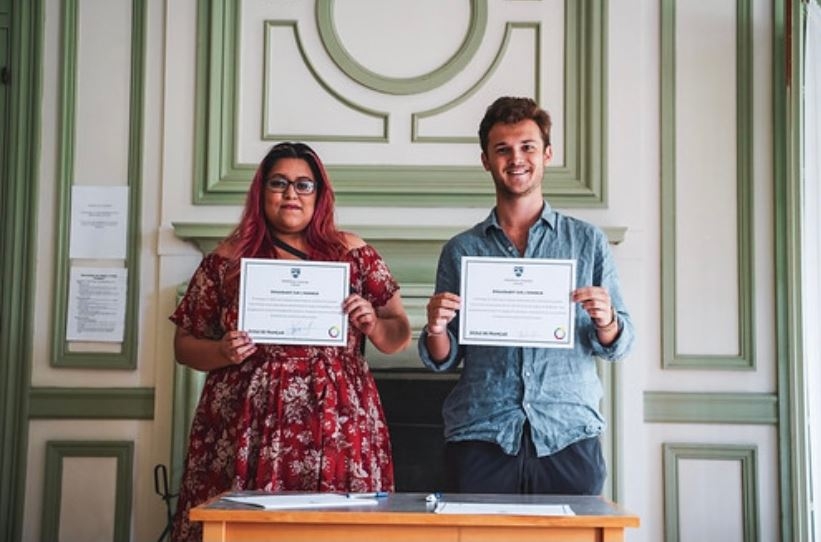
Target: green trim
pixel 793 468
pixel 5 61
pixel 188 384
pixel 728 408
pixel 56 451
pixel 267 135
pixel 394 85
pixel 61 355
pixel 18 234
pixel 92 403
pixel 583 177
pixel 745 455
pixel 611 410
pixel 537 94
pixel 219 180
pixel 671 358
pixel 206 236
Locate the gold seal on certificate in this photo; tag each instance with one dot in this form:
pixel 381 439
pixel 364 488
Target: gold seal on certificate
pixel 517 302
pixel 293 301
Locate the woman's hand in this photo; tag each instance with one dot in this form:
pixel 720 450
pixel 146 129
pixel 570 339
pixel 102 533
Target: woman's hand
pixel 387 327
pixel 361 313
pixel 208 354
pixel 236 346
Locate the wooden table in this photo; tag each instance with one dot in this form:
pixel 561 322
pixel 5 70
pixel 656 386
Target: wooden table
pixel 404 517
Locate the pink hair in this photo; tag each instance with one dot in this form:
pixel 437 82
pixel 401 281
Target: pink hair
pixel 251 238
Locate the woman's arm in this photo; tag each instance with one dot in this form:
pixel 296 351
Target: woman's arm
pixel 392 332
pixel 208 354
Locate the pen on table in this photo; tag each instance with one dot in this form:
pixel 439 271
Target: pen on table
pixel 368 495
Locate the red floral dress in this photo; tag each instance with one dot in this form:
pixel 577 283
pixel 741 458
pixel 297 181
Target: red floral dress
pixel 289 417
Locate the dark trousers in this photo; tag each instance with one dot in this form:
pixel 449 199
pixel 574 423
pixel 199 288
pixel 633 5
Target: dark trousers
pixel 482 467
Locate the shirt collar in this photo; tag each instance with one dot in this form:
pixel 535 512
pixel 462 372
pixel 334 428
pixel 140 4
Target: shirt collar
pixel 549 217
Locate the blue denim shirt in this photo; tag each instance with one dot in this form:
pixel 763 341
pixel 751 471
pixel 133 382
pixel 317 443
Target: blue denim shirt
pixel 557 390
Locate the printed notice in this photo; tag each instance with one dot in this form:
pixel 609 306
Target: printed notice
pixel 517 302
pixel 293 301
pixel 98 222
pixel 96 304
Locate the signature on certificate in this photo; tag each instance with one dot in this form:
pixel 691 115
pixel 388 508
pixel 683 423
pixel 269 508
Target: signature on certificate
pixel 301 327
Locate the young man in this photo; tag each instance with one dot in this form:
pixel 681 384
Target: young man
pixel 521 419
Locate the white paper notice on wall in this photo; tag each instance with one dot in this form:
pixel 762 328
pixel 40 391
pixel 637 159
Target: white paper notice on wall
pixel 98 222
pixel 96 304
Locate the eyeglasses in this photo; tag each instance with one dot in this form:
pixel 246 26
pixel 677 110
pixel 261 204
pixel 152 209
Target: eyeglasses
pixel 279 185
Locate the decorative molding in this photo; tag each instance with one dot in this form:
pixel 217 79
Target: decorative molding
pixel 795 494
pixel 219 180
pixel 61 355
pixel 671 358
pixel 56 452
pixel 611 439
pixel 393 85
pixel 416 118
pixel 92 403
pixel 206 236
pixel 18 245
pixel 727 408
pixel 188 384
pixel 267 135
pixel 745 455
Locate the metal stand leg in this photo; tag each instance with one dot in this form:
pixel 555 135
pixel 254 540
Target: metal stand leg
pixel 161 489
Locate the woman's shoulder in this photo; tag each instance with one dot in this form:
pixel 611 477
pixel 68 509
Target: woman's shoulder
pixel 222 250
pixel 352 241
pixel 216 260
pixel 358 249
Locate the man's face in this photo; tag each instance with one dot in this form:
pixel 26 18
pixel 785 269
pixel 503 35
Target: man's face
pixel 516 157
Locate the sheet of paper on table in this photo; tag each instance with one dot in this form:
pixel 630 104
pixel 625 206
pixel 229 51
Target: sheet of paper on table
pixel 306 500
pixel 515 509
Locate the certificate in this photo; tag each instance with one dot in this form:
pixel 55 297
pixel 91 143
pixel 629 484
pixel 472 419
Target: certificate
pixel 293 301
pixel 517 302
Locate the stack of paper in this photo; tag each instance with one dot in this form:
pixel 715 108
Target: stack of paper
pixel 300 500
pixel 515 509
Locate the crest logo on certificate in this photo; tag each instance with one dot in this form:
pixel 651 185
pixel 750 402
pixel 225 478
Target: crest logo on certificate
pixel 517 302
pixel 284 303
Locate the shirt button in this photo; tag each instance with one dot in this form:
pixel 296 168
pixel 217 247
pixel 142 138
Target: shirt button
pixel 527 405
pixel 527 373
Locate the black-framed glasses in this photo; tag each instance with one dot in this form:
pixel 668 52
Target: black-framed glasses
pixel 279 185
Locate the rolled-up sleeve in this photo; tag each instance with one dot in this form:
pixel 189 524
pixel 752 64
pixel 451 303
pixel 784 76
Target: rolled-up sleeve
pixel 450 363
pixel 606 275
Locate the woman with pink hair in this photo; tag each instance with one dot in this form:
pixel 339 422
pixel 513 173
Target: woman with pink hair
pixel 278 417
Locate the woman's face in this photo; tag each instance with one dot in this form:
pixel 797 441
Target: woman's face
pixel 289 211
